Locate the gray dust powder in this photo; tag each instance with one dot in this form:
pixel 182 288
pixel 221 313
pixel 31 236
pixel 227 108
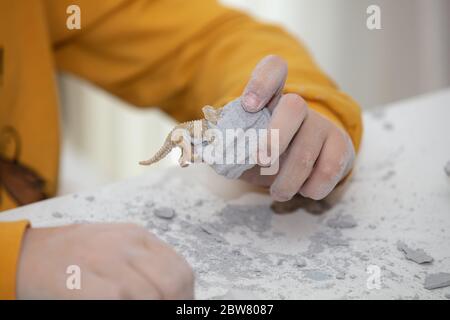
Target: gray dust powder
pixel 233 116
pixel 321 240
pixel 218 241
pixel 256 218
pixel 208 242
pixel 316 275
pixel 342 222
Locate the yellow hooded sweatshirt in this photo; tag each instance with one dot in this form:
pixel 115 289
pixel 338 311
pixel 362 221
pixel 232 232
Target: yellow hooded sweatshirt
pixel 176 54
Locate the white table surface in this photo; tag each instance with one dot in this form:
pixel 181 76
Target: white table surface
pixel 399 191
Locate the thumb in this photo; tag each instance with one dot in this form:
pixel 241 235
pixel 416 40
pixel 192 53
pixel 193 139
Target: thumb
pixel 267 80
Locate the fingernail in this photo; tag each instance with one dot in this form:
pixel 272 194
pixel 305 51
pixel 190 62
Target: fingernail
pixel 277 195
pixel 251 101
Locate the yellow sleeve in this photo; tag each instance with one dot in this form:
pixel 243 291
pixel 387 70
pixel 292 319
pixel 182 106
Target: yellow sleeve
pixel 181 55
pixel 11 234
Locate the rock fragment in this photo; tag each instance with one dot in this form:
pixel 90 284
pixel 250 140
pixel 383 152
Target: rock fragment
pixel 417 255
pixel 340 275
pixel 437 280
pixel 300 263
pixel 57 214
pixel 164 213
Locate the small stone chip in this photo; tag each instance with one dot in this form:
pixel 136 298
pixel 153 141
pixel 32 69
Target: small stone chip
pixel 300 263
pixel 57 214
pixel 437 280
pixel 165 213
pixel 418 255
pixel 340 275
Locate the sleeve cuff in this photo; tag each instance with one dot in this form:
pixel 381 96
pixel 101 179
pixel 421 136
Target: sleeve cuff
pixel 11 234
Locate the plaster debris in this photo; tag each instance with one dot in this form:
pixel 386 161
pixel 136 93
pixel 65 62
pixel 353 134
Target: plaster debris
pixel 437 280
pixel 342 222
pixel 418 255
pixel 361 256
pixel 208 229
pixel 236 252
pixel 257 218
pixel 164 213
pixel 57 215
pixel 447 169
pixel 149 204
pixel 218 257
pixel 320 240
pixel 280 262
pixel 300 263
pixel 340 275
pixel 388 126
pixel 233 116
pixel 164 227
pixel 388 175
pixel 377 114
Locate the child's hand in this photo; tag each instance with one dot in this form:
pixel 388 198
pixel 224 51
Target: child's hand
pixel 116 261
pixel 315 153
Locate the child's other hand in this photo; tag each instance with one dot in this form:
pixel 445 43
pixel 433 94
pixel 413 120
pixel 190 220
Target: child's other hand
pixel 116 261
pixel 315 153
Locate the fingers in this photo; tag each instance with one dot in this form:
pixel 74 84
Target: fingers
pixel 255 177
pixel 266 84
pixel 334 163
pixel 117 261
pixel 134 284
pixel 287 117
pixel 174 277
pixel 154 269
pixel 302 155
